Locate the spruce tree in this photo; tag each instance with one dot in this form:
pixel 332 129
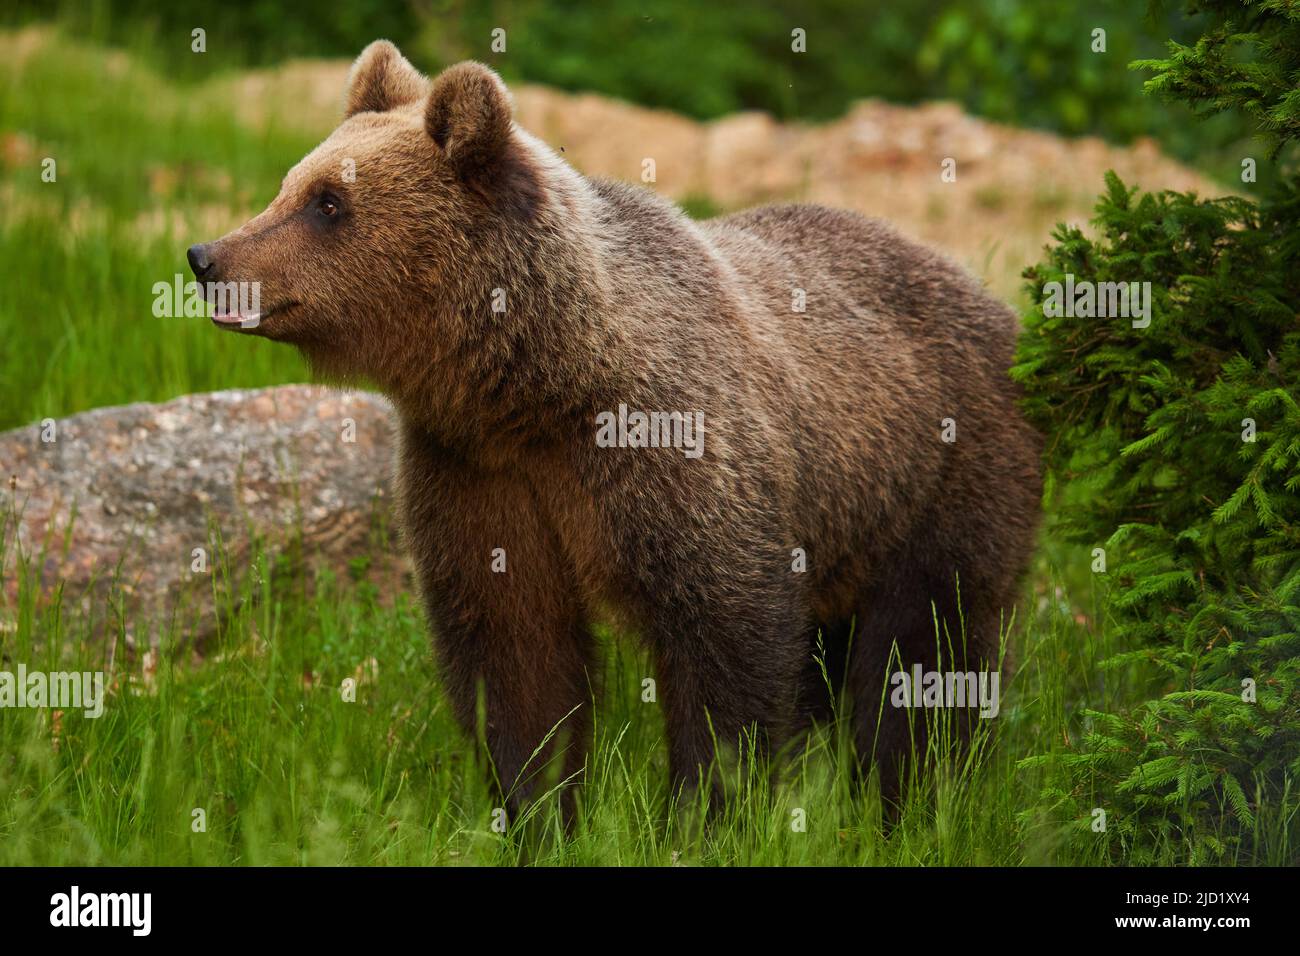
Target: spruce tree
pixel 1175 446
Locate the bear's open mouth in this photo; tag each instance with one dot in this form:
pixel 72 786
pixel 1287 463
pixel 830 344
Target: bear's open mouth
pixel 247 321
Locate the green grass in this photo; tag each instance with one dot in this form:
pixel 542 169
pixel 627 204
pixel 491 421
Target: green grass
pixel 259 737
pixel 286 771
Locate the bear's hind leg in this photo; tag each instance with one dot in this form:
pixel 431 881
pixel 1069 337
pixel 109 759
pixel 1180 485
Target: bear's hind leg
pixel 729 673
pixel 917 617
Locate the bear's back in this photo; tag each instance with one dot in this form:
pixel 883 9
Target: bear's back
pixel 882 341
pixel 922 291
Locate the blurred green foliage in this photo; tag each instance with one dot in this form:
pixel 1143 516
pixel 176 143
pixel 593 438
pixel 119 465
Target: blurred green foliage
pixel 145 168
pixel 1017 61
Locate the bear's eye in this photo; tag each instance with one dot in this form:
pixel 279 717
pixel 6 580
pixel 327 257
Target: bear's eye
pixel 327 206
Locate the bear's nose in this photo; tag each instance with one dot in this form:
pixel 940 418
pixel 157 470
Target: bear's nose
pixel 200 260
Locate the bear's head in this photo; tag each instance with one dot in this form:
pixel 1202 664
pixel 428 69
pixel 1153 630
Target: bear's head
pixel 406 201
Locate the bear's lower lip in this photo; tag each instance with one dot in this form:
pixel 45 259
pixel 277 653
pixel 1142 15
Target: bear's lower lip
pixel 246 322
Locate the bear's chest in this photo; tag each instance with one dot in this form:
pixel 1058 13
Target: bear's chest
pixel 585 542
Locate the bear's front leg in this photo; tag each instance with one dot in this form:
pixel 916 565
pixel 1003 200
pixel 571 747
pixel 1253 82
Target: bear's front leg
pixel 504 614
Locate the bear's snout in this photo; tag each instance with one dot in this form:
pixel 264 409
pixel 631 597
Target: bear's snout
pixel 201 261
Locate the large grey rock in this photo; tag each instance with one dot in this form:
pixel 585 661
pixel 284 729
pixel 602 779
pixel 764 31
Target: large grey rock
pixel 127 494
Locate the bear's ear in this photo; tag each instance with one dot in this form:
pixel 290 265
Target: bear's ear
pixel 381 79
pixel 469 116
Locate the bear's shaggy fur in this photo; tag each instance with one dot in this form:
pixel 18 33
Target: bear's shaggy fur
pixel 503 302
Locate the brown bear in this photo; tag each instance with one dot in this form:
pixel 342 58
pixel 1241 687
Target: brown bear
pixel 739 440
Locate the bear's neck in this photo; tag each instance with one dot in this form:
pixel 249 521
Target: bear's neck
pixel 527 347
